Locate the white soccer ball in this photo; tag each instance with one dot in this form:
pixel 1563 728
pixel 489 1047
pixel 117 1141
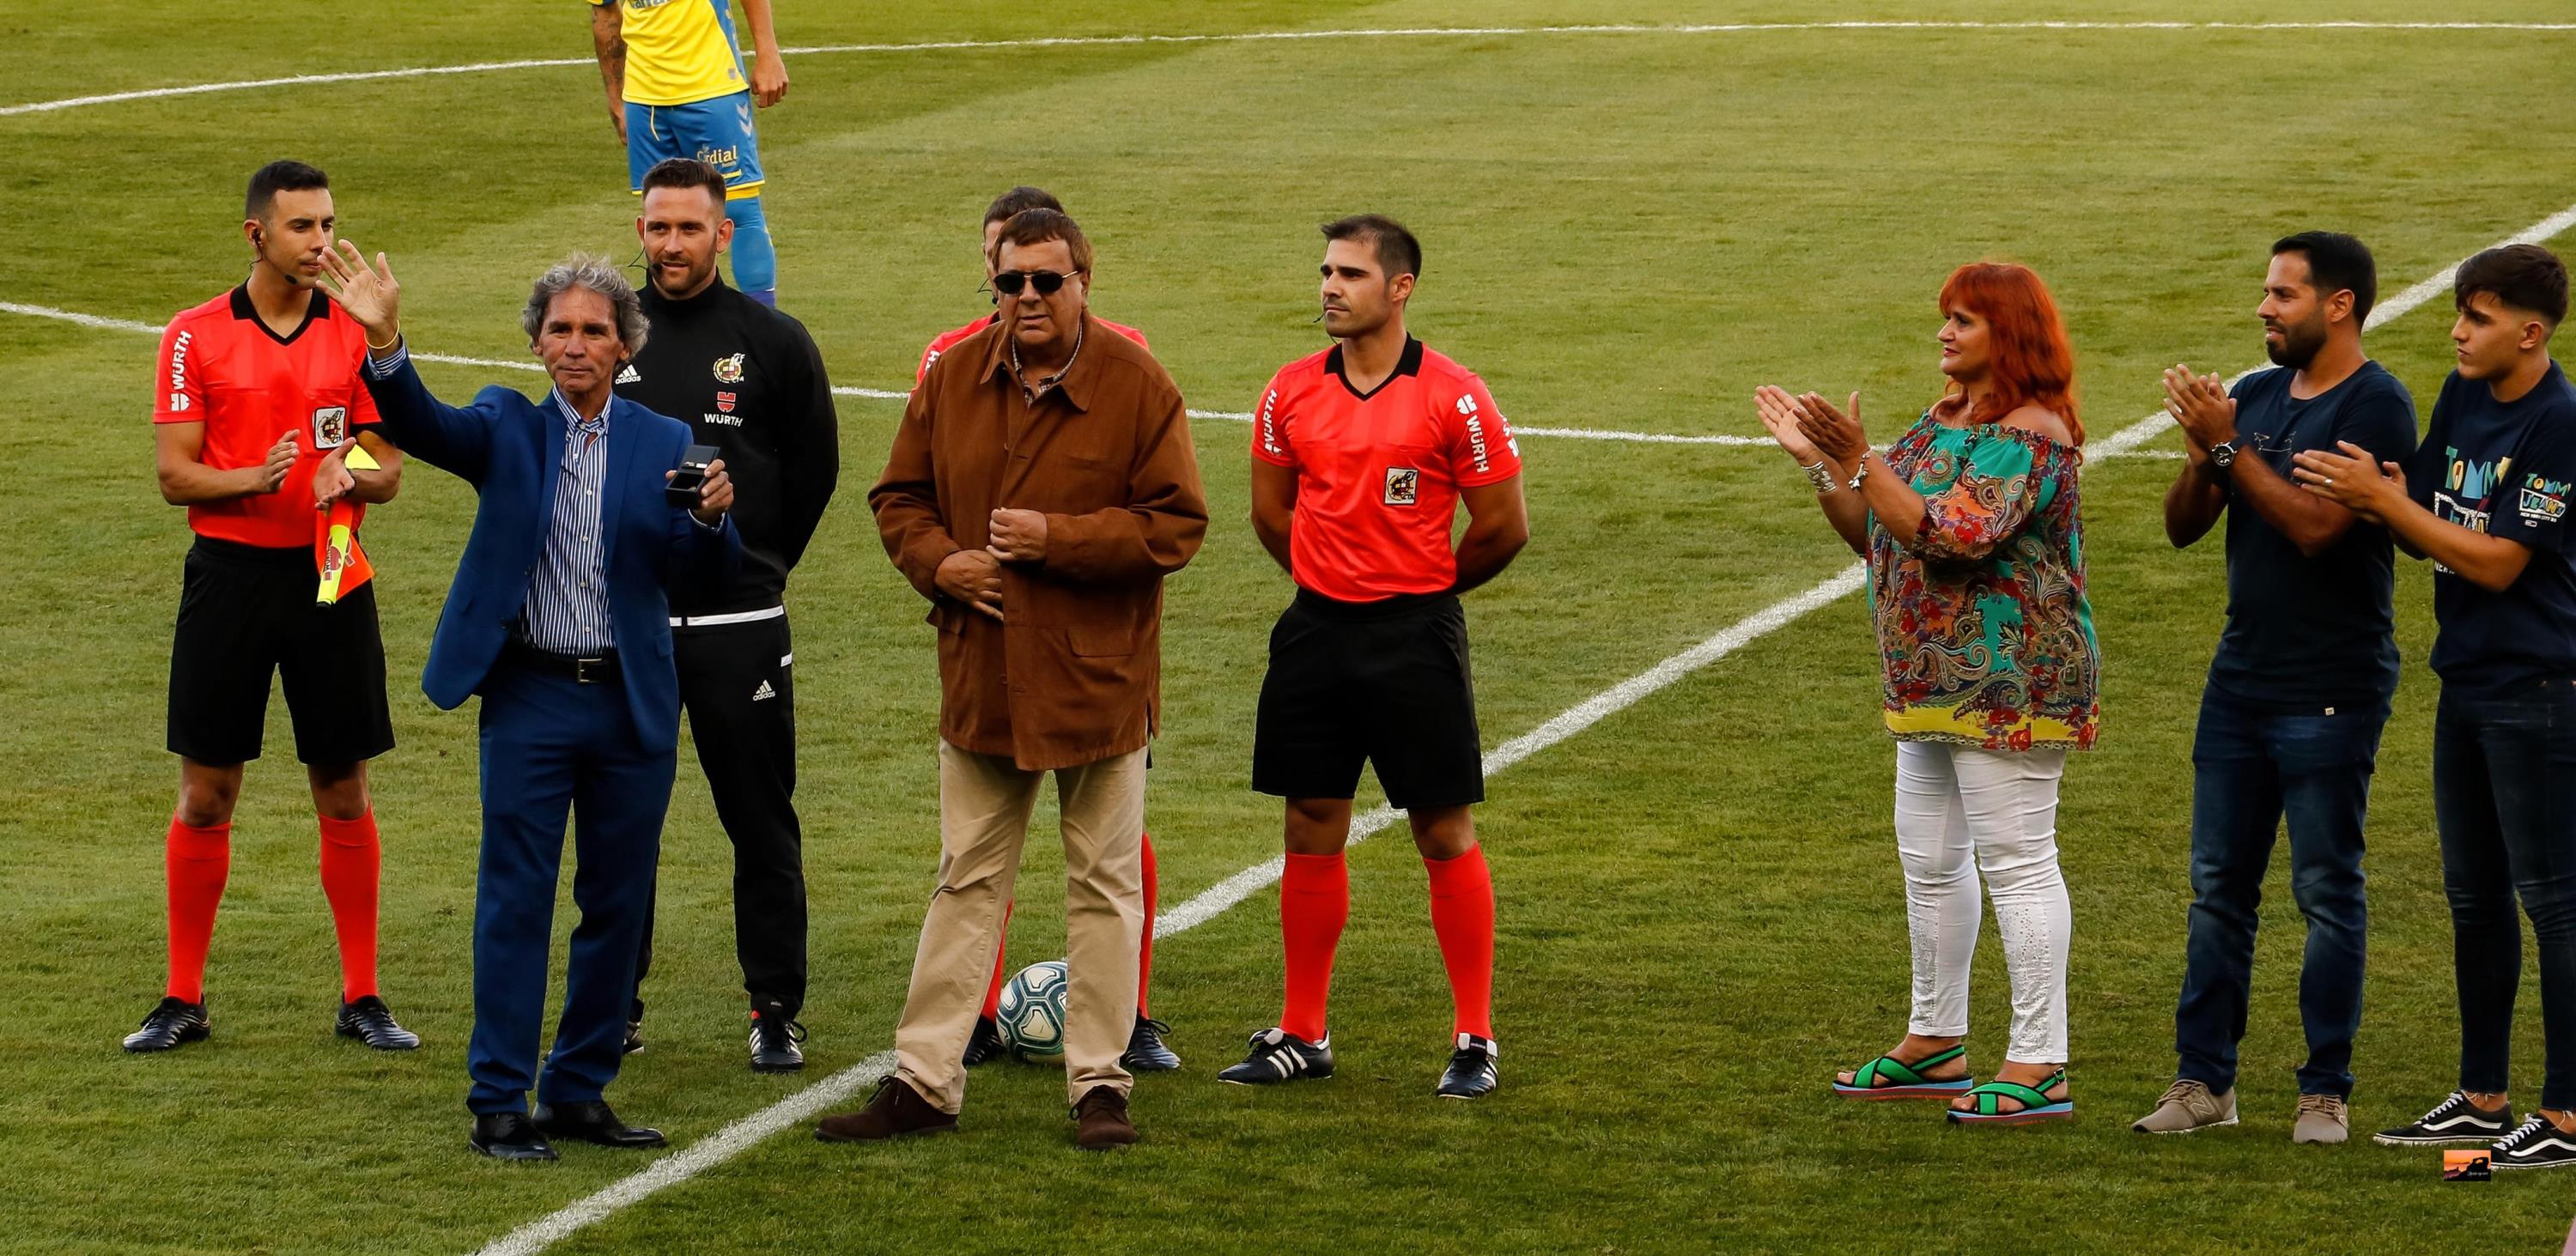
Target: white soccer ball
pixel 1031 1014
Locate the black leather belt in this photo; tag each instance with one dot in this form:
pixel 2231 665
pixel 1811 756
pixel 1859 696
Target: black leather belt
pixel 587 671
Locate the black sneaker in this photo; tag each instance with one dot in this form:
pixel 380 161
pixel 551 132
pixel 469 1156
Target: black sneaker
pixel 1471 1069
pixel 172 1022
pixel 1280 1056
pixel 634 1038
pixel 1145 1050
pixel 985 1043
pixel 2453 1120
pixel 2536 1144
pixel 774 1038
pixel 368 1019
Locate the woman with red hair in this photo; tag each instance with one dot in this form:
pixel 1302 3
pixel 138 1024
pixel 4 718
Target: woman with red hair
pixel 1976 578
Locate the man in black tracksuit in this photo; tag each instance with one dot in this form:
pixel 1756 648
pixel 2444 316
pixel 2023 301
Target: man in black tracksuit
pixel 750 382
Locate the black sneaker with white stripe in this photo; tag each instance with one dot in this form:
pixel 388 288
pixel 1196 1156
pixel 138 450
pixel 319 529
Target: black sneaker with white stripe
pixel 774 1038
pixel 172 1022
pixel 2453 1120
pixel 1471 1069
pixel 367 1019
pixel 1280 1056
pixel 2537 1144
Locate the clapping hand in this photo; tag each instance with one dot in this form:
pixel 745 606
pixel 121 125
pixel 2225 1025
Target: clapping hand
pixel 368 293
pixel 2351 479
pixel 1834 433
pixel 2201 405
pixel 1779 414
pixel 280 460
pixel 331 478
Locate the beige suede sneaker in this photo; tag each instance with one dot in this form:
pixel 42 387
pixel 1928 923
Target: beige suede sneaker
pixel 2322 1119
pixel 2188 1106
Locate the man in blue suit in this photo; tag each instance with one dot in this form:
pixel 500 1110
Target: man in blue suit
pixel 558 617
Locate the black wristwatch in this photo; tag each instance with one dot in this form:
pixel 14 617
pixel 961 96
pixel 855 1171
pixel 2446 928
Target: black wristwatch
pixel 2223 454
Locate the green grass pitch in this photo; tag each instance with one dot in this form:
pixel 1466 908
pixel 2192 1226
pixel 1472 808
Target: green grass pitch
pixel 1701 916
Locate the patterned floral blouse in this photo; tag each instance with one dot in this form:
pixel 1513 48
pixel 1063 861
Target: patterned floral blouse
pixel 1983 623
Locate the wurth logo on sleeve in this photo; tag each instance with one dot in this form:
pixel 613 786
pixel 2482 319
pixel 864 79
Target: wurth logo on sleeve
pixel 1476 451
pixel 1270 424
pixel 179 370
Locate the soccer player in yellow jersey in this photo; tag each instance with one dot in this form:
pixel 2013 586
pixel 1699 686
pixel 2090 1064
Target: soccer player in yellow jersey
pixel 673 70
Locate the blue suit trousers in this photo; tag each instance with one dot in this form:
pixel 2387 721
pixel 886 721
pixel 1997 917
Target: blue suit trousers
pixel 552 745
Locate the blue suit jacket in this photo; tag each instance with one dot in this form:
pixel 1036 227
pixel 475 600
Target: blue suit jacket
pixel 511 450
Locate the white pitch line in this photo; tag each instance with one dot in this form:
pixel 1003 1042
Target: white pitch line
pixel 1417 32
pixel 882 394
pixel 743 1134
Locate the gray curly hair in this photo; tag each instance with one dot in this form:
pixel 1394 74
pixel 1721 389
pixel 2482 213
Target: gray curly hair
pixel 598 274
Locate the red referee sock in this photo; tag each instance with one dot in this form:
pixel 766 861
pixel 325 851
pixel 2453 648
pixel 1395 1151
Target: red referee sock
pixel 1314 904
pixel 1001 948
pixel 197 861
pixel 1462 913
pixel 1145 950
pixel 351 861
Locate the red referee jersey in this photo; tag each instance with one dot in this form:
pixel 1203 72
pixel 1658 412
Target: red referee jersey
pixel 223 367
pixel 947 340
pixel 1378 474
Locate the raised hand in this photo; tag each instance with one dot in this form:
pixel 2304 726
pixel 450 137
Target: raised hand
pixel 368 292
pixel 1835 433
pixel 1779 414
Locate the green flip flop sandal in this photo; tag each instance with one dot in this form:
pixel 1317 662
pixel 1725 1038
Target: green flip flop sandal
pixel 2036 1105
pixel 1890 1078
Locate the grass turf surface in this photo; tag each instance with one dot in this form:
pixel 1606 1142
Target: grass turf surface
pixel 1700 913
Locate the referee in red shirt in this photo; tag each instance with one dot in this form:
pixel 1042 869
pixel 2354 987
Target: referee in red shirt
pixel 1360 455
pixel 256 405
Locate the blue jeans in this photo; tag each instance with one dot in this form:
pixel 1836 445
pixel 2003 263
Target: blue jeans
pixel 2251 767
pixel 2504 793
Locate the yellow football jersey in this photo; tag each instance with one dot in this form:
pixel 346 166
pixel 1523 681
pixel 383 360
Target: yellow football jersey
pixel 679 52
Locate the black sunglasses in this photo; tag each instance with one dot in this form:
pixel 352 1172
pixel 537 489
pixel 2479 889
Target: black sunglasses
pixel 1010 282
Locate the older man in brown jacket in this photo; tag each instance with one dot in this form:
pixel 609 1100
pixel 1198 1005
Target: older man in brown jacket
pixel 1040 488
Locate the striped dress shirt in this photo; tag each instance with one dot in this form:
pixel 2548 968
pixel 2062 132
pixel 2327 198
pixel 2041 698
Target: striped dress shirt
pixel 567 610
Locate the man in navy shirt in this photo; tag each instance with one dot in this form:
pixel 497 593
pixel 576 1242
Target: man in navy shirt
pixel 2299 689
pixel 2486 498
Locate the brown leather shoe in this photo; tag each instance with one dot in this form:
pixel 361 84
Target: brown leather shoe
pixel 1100 1120
pixel 895 1111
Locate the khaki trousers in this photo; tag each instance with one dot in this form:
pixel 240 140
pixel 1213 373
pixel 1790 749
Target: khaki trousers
pixel 984 808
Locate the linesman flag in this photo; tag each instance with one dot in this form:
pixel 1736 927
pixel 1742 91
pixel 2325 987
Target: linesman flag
pixel 343 564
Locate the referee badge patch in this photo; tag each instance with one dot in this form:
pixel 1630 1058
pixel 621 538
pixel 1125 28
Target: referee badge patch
pixel 1402 483
pixel 330 427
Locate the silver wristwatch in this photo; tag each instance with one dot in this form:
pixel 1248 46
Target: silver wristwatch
pixel 2223 454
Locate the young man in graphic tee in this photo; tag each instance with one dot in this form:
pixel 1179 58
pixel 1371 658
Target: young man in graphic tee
pixel 2486 498
pixel 1361 456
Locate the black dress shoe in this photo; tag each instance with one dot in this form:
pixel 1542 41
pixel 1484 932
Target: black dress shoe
pixel 634 1038
pixel 594 1123
pixel 509 1136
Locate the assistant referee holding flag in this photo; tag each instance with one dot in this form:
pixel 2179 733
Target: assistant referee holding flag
pixel 749 381
pixel 1360 457
pixel 256 405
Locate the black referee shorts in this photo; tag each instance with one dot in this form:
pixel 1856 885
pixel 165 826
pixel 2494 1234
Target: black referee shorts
pixel 1382 682
pixel 246 611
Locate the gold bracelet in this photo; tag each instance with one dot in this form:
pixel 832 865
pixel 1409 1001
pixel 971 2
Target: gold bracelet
pixel 373 347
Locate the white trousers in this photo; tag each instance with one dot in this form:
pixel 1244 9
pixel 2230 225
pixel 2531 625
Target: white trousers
pixel 1961 811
